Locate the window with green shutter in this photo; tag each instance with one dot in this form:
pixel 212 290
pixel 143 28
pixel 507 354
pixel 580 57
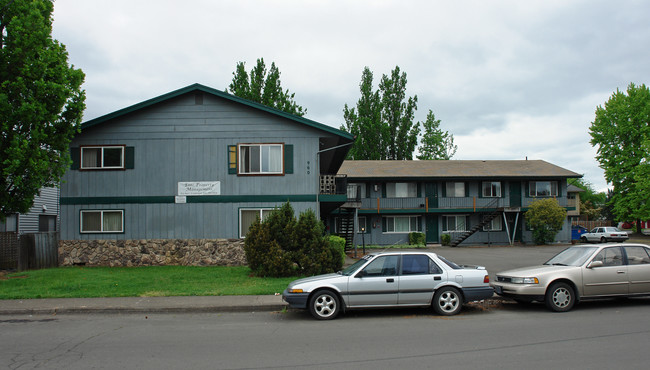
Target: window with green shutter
pixel 232 159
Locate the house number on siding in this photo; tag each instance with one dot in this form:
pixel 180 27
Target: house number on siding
pixel 308 167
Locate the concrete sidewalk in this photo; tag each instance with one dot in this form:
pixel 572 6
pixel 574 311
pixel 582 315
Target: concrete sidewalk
pixel 141 305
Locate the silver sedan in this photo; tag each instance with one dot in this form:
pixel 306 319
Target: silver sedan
pixel 580 272
pixel 391 279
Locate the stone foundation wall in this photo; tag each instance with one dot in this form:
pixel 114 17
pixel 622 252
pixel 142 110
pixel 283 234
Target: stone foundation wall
pixel 152 252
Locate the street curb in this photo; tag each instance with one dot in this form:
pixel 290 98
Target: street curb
pixel 131 310
pixel 114 305
pixel 136 306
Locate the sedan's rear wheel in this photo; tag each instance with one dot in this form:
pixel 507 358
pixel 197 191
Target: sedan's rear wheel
pixel 603 239
pixel 447 301
pixel 560 297
pixel 324 305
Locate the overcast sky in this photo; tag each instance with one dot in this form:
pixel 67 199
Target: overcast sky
pixel 509 79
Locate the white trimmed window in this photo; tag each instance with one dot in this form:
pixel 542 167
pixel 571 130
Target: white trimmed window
pixel 542 189
pixel 401 190
pixel 258 159
pixel 455 223
pixel 356 189
pixel 491 189
pixel 494 225
pixel 248 216
pixel 102 157
pixel 10 224
pixel 102 221
pixel 455 189
pixel 402 224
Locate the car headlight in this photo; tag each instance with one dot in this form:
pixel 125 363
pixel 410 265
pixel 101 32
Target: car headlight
pixel 524 280
pixel 295 291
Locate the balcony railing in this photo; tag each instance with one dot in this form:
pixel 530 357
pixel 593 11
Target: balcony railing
pixel 393 203
pixel 442 202
pixel 472 202
pixel 562 201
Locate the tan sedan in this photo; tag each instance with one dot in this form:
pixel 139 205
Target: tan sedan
pixel 580 272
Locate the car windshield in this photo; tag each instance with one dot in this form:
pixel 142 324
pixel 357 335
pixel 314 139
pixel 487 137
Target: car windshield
pixel 348 271
pixel 573 256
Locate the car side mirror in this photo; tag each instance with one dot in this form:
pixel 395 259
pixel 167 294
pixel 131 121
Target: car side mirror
pixel 595 264
pixel 360 274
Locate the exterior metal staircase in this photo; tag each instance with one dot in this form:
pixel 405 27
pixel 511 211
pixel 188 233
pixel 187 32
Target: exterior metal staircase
pixel 486 220
pixel 345 227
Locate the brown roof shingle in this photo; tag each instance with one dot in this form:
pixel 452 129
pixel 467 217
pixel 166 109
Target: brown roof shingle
pixel 454 169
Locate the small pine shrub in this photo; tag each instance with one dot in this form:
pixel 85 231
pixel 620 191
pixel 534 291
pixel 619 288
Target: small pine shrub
pixel 283 246
pixel 445 239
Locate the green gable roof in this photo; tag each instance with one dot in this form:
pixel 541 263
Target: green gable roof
pixel 221 94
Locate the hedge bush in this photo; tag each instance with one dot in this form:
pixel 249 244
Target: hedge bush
pixel 445 239
pixel 417 239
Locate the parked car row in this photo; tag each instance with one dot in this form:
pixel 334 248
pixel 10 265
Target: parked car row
pixel 425 279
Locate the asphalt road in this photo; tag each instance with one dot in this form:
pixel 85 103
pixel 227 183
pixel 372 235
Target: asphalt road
pixel 595 335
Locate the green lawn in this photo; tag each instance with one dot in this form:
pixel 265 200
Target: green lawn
pixel 83 282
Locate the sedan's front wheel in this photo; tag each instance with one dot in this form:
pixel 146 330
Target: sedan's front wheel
pixel 447 301
pixel 560 297
pixel 324 305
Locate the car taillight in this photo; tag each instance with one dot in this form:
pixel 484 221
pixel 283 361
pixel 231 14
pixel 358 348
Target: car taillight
pixel 486 279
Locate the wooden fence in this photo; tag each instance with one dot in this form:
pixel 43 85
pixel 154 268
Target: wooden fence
pixel 29 251
pixel 9 248
pixel 591 224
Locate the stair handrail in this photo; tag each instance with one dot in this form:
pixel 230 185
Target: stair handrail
pixel 493 204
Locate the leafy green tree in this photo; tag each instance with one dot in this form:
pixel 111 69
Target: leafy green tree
pixel 399 114
pixel 383 119
pixel 41 103
pixel 591 202
pixel 263 86
pixel 621 131
pixel 365 123
pixel 545 217
pixel 435 143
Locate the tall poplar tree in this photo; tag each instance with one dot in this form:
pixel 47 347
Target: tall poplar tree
pixel 365 123
pixel 621 133
pixel 263 86
pixel 435 143
pixel 41 103
pixel 383 119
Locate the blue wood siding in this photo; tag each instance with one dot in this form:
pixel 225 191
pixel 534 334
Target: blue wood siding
pixel 169 221
pixel 180 141
pixel 49 197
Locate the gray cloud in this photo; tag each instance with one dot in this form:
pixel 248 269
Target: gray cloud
pixel 509 79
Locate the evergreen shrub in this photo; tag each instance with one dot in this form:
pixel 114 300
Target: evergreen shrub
pixel 417 239
pixel 338 247
pixel 283 246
